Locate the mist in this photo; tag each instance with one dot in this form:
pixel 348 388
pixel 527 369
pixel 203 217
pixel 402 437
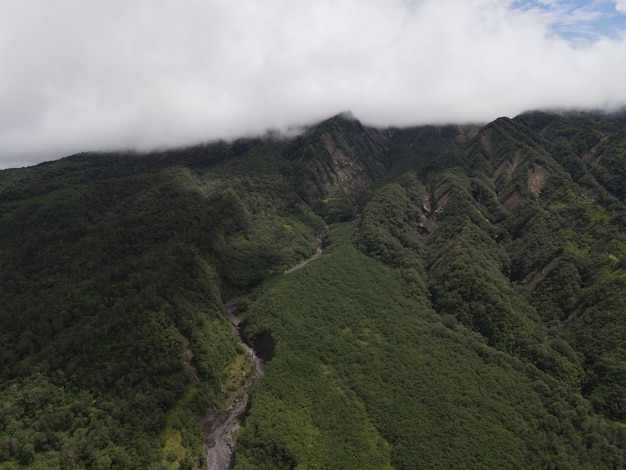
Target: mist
pixel 110 75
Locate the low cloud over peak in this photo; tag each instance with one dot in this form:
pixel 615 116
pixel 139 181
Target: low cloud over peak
pixel 112 74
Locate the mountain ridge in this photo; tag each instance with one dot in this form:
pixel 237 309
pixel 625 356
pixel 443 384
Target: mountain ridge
pixel 476 257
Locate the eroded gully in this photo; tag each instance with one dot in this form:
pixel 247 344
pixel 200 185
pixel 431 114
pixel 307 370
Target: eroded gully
pixel 219 445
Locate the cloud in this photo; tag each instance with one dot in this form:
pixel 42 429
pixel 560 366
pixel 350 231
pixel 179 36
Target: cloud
pixel 111 74
pixel 620 5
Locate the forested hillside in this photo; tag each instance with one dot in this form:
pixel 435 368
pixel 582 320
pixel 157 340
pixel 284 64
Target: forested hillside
pixel 468 309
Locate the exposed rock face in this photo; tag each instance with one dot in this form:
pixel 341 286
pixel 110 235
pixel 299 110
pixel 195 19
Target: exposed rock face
pixel 340 159
pixel 537 178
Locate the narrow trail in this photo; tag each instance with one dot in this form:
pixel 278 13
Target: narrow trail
pixel 218 443
pixel 318 252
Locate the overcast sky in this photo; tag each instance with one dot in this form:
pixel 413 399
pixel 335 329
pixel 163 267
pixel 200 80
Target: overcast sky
pixel 78 75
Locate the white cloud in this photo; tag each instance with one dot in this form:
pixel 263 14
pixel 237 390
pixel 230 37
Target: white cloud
pixel 112 74
pixel 620 5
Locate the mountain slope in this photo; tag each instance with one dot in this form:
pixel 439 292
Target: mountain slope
pixel 468 309
pixel 486 244
pixel 113 275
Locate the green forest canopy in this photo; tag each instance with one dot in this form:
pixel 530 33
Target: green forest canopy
pixel 468 309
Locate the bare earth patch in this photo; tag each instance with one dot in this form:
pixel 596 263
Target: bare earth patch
pixel 512 202
pixel 485 141
pixel 537 178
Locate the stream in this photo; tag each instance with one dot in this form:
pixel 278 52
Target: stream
pixel 219 444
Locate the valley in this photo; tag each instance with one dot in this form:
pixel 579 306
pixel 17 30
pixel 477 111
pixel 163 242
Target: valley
pixel 219 443
pixel 467 309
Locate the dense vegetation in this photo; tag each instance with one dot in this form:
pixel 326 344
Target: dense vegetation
pixel 112 279
pixel 468 309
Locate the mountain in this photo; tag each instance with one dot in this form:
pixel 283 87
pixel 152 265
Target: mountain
pixel 468 309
